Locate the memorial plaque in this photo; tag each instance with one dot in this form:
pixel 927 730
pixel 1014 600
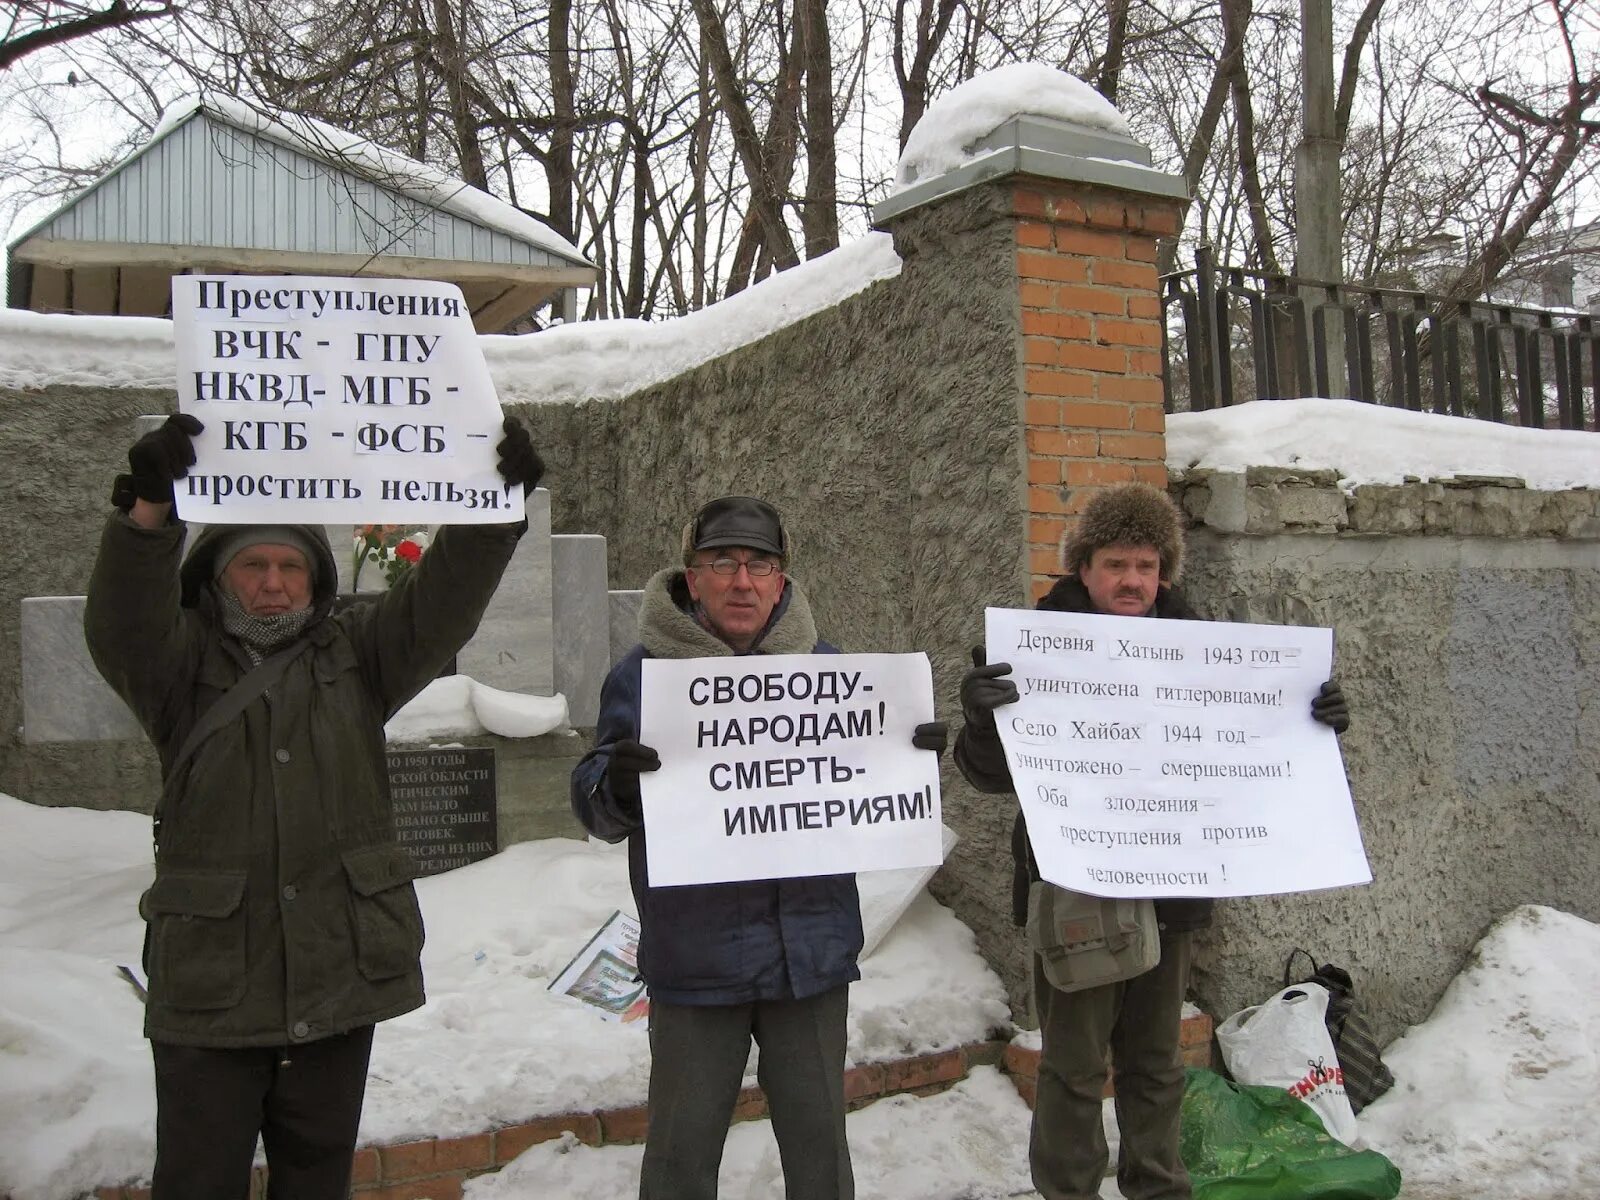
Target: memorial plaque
pixel 444 805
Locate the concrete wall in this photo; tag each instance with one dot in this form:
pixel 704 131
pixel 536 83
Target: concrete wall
pixel 888 430
pixel 61 447
pixel 1467 636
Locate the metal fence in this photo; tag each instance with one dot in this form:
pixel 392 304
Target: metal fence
pixel 1231 335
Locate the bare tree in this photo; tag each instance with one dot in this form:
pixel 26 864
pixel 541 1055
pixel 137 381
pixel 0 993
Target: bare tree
pixel 691 148
pixel 30 26
pixel 1545 136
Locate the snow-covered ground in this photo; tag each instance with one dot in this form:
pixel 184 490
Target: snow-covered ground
pixel 1498 1087
pixel 492 1046
pixel 1495 1091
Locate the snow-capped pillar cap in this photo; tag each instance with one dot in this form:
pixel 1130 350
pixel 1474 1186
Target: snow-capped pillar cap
pixel 1045 148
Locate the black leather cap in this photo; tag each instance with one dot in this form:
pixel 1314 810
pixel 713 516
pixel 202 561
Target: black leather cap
pixel 738 521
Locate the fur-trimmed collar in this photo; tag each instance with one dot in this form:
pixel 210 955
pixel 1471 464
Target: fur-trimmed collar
pixel 667 631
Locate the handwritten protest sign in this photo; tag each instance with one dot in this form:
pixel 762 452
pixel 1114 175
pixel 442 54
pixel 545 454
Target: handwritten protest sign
pixel 788 765
pixel 330 399
pixel 1175 758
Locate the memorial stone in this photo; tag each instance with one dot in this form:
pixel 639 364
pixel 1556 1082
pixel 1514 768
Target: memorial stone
pixel 64 699
pixel 624 608
pixel 512 649
pixel 582 625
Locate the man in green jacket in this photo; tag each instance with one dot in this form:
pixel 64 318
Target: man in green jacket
pixel 282 923
pixel 1125 558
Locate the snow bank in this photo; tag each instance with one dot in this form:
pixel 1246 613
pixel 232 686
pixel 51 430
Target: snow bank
pixel 588 360
pixel 597 360
pixel 1368 444
pixel 1496 1089
pixel 76 1091
pixel 458 706
pixel 40 349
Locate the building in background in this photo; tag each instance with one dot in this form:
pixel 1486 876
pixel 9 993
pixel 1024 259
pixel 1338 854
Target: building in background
pixel 222 189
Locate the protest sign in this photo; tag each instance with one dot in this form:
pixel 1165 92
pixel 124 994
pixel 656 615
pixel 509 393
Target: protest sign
pixel 1175 758
pixel 336 400
pixel 605 973
pixel 787 765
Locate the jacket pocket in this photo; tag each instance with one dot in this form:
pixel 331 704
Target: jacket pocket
pixel 197 953
pixel 383 910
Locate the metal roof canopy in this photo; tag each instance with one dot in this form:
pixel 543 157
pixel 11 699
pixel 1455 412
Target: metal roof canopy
pixel 220 189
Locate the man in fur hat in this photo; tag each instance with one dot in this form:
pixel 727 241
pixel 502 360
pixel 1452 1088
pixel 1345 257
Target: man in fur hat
pixel 1124 559
pixel 770 959
pixel 281 924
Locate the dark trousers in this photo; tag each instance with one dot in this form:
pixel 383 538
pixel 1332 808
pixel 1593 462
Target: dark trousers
pixel 212 1104
pixel 1138 1020
pixel 697 1058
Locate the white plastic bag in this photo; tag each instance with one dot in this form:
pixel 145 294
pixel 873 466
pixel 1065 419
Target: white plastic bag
pixel 1285 1043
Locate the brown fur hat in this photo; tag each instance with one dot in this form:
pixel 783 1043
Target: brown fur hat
pixel 1130 514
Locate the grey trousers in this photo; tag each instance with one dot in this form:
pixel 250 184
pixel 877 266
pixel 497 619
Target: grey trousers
pixel 697 1057
pixel 1138 1021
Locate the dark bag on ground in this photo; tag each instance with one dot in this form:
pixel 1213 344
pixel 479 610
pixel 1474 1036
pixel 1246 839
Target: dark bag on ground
pixel 1260 1143
pixel 1085 941
pixel 1365 1075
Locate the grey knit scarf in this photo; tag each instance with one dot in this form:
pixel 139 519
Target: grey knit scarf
pixel 260 635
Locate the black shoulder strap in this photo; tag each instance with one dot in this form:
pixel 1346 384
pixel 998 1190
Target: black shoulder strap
pixel 234 701
pixel 1289 975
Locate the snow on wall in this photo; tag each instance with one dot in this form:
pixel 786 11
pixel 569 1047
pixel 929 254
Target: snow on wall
pixel 589 360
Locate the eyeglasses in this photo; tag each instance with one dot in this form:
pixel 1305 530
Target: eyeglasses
pixel 759 568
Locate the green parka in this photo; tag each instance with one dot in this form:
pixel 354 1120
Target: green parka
pixel 282 909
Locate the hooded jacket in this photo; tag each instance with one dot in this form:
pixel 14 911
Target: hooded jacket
pixel 717 943
pixel 981 758
pixel 282 909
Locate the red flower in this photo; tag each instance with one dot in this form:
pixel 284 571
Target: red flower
pixel 409 551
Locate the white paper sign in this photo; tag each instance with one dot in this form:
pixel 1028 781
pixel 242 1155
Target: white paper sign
pixel 333 400
pixel 1175 758
pixel 780 766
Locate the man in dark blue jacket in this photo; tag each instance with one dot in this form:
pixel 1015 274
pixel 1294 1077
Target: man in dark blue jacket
pixel 770 959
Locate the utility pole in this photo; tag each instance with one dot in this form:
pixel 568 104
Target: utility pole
pixel 1317 193
pixel 1316 186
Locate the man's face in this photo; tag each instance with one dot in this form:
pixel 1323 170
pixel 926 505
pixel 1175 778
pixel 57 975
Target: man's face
pixel 269 579
pixel 1122 580
pixel 737 605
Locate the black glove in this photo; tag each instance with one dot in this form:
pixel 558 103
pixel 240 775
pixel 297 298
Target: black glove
pixel 162 455
pixel 628 758
pixel 1329 707
pixel 931 735
pixel 519 461
pixel 984 689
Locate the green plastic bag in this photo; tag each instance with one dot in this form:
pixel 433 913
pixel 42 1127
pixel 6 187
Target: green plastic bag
pixel 1260 1143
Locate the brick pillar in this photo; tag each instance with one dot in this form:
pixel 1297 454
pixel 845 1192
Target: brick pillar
pixel 1089 348
pixel 1079 211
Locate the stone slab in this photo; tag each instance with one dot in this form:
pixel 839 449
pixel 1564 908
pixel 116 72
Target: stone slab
pixel 514 647
pixel 63 697
pixel 580 617
pixel 624 606
pixel 342 540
